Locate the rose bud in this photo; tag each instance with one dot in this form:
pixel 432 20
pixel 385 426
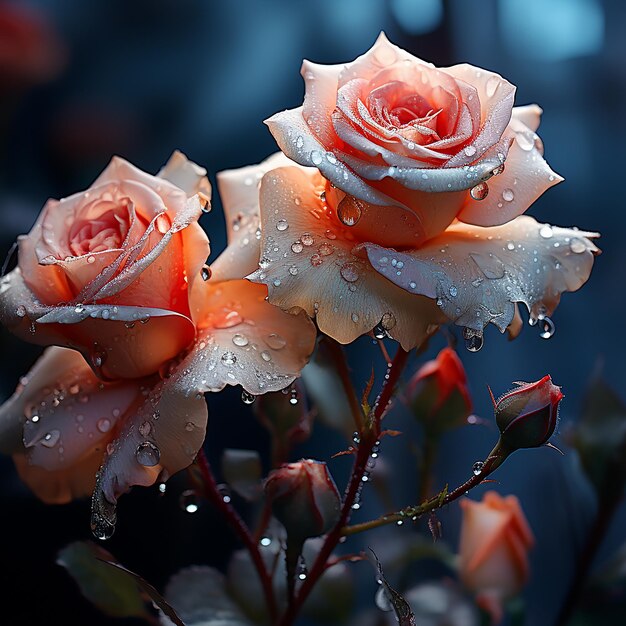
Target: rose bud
pixel 304 498
pixel 527 415
pixel 438 393
pixel 493 550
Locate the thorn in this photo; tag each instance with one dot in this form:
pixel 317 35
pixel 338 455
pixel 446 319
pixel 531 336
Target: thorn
pixel 550 445
pixel 493 400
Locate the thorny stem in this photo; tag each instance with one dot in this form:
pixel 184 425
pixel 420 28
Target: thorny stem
pixel 238 526
pixel 369 435
pixel 339 359
pixel 493 461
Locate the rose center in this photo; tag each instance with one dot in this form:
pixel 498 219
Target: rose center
pixel 101 225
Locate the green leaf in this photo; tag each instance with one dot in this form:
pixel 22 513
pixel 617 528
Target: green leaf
pixel 111 590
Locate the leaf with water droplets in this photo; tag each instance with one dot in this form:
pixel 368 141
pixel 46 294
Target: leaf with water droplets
pixel 111 590
pixel 388 599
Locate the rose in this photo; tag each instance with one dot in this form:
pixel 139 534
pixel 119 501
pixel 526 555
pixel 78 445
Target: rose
pixel 527 416
pixel 438 393
pixel 304 498
pixel 395 132
pixel 493 549
pixel 370 242
pixel 63 423
pixel 113 271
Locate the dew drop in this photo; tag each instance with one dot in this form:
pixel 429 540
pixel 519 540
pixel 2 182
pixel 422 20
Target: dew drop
pixel 316 157
pixel 477 468
pixel 480 191
pixel 205 272
pixel 189 501
pixel 147 454
pixel 275 341
pixel 473 339
pixel 577 246
pixel 265 541
pixel 388 320
pixel 307 239
pixel 349 211
pixel 469 150
pixel 103 425
pixel 325 249
pixel 51 439
pixel 316 260
pixel 247 398
pixel 145 428
pixel 91 259
pixel 379 331
pixel 508 195
pixel 296 247
pixel 21 311
pixel 546 231
pixel 453 291
pixel 498 170
pixel 229 358
pixel 349 272
pixel 546 328
pixel 282 225
pixel 266 356
pixel 240 340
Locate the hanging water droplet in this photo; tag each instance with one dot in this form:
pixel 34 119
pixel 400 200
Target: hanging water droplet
pixel 356 437
pixel 473 339
pixel 294 396
pixel 103 515
pixel 302 569
pixel 388 320
pixel 189 501
pixel 547 328
pixel 205 272
pixel 477 468
pixel 229 358
pixel 162 487
pixel 225 492
pixel 349 211
pixel 379 331
pixel 480 191
pixel 282 225
pixel 147 454
pixel 247 398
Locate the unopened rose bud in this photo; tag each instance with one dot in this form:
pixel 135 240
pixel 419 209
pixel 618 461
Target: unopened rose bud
pixel 438 393
pixel 493 550
pixel 304 498
pixel 527 415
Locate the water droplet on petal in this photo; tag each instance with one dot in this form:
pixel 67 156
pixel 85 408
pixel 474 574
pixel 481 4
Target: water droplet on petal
pixel 275 341
pixel 103 425
pixel 282 225
pixel 296 247
pixel 388 320
pixel 316 260
pixel 205 272
pixel 480 191
pixel 577 246
pixel 316 157
pixel 229 358
pixel 145 428
pixel 266 356
pixel 469 150
pixel 307 239
pixel 349 272
pixel 498 170
pixel 147 454
pixel 51 439
pixel 240 340
pixel 453 291
pixel 325 249
pixel 349 211
pixel 546 231
pixel 21 311
pixel 508 195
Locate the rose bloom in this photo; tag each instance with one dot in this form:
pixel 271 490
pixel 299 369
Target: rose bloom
pixel 118 273
pixel 397 226
pixel 493 550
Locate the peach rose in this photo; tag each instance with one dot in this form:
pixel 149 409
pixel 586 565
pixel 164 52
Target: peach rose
pixel 113 271
pixel 493 550
pixel 63 423
pixel 415 144
pixel 376 237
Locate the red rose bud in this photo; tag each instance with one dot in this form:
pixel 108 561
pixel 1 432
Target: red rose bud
pixel 438 393
pixel 528 415
pixel 304 498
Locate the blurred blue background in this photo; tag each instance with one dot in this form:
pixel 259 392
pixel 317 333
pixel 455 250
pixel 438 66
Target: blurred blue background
pixel 143 78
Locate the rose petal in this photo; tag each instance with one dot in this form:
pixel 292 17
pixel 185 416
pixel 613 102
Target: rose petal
pixel 64 417
pixel 131 341
pixel 246 341
pixel 496 96
pixel 477 274
pixel 526 176
pixel 307 261
pixel 186 175
pixel 239 192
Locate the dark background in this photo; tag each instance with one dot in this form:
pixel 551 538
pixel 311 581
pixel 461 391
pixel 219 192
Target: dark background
pixel 145 77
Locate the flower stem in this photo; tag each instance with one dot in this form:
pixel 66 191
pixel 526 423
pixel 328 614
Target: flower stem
pixel 238 526
pixel 369 434
pixel 493 461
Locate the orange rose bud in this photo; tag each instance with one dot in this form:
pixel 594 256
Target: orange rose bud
pixel 527 415
pixel 304 498
pixel 438 393
pixel 493 550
